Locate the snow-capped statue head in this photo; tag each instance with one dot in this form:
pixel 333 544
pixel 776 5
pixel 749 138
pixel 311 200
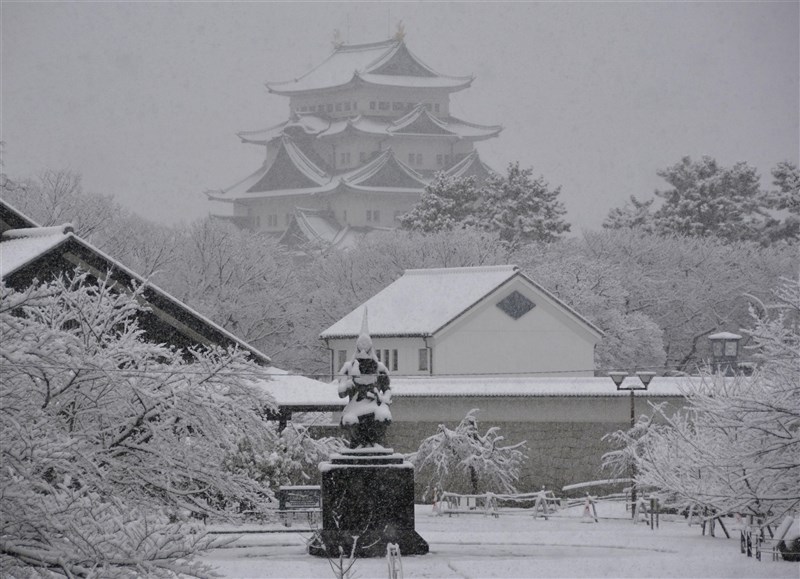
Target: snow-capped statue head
pixel 364 347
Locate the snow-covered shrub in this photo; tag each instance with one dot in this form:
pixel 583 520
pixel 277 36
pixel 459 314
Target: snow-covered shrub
pixel 464 461
pixel 109 440
pixel 293 459
pixel 736 447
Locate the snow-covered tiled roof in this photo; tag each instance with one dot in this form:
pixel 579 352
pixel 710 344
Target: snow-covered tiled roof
pixel 423 300
pixel 19 247
pixel 387 63
pixel 293 390
pixel 471 166
pixel 531 386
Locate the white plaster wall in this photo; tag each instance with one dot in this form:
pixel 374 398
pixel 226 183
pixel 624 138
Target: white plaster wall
pixel 487 340
pixel 407 352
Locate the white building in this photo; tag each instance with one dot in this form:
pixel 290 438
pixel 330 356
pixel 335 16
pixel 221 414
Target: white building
pixel 469 321
pixel 368 128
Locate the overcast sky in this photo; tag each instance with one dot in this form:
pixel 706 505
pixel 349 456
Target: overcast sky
pixel 144 99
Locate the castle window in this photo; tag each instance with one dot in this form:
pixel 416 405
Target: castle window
pixel 383 106
pixel 409 106
pixel 321 108
pixel 428 107
pixel 347 106
pixel 345 158
pixel 272 220
pixel 411 158
pixel 419 158
pixel 372 105
pixel 329 107
pixel 397 106
pixel 338 107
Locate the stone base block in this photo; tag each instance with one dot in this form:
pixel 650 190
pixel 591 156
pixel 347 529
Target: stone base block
pixel 367 500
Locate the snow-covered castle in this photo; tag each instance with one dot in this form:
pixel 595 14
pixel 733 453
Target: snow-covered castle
pixel 368 128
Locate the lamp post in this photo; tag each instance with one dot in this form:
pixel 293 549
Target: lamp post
pixel 632 386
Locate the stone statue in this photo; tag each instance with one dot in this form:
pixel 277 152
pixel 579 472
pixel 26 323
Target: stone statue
pixel 365 380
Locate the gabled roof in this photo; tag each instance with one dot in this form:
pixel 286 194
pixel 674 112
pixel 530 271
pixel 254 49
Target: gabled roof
pixel 420 122
pixel 385 171
pixel 423 301
pixel 387 63
pixel 30 253
pixel 471 166
pixel 298 123
pixel 319 229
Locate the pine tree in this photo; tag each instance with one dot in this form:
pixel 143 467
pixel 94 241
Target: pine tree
pixel 634 214
pixel 446 204
pixel 521 209
pixel 709 200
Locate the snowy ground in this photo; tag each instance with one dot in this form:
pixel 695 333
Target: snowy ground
pixel 517 545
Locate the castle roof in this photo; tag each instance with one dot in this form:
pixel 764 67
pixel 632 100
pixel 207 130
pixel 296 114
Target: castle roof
pixel 418 122
pixel 293 173
pixel 387 63
pixel 471 166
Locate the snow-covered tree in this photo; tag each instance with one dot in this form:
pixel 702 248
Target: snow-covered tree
pixel 244 281
pixel 57 197
pixel 784 221
pixel 108 439
pixel 634 214
pixel 598 291
pixel 689 286
pixel 736 447
pixel 463 460
pixel 446 203
pixel 521 209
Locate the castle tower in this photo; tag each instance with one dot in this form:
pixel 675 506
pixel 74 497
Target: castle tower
pixel 367 130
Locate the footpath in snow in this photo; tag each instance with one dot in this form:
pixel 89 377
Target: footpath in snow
pixel 515 545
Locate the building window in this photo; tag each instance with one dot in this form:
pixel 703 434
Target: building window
pixel 394 360
pixel 344 158
pixel 272 220
pixel 321 108
pixel 347 106
pixel 423 359
pixel 372 105
pixel 329 107
pixel 338 107
pixel 411 158
pixel 428 107
pixel 362 157
pixel 258 221
pixel 419 158
pixel 373 215
pixel 341 358
pixel 516 305
pixel 397 106
pixel 409 106
pixel 383 106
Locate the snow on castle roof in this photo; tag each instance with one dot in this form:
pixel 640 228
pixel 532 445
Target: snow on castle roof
pixel 19 247
pixel 388 63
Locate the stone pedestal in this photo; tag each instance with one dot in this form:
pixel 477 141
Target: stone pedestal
pixel 368 494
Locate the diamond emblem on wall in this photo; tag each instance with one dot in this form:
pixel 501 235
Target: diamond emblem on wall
pixel 516 305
